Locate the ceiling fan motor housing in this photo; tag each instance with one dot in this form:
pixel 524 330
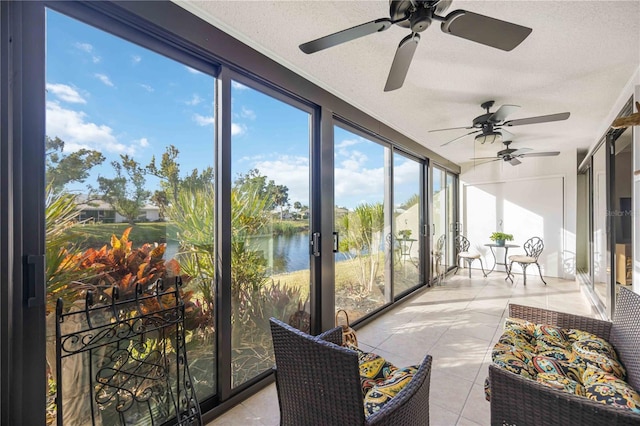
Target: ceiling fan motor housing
pixel 420 19
pixel 421 16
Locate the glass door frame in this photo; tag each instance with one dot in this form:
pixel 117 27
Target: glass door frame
pixel 452 218
pixel 423 240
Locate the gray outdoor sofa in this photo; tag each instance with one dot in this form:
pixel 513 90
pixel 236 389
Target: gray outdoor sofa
pixel 516 400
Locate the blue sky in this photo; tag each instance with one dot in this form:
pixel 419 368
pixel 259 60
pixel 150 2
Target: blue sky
pixel 107 94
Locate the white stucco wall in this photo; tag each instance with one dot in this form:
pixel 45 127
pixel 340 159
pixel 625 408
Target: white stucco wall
pixel 563 166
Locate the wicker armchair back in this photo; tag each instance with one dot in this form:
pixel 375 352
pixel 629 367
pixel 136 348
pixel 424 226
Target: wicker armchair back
pixel 318 383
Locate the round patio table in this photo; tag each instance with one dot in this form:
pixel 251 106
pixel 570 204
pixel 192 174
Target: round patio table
pixel 506 248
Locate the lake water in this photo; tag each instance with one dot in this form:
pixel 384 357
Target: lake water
pixel 288 252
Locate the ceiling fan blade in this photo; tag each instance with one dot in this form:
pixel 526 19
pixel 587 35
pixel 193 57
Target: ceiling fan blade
pixel 520 151
pixel 401 62
pixel 502 113
pixel 485 30
pixel 346 35
pixel 460 137
pixel 451 128
pixel 486 158
pixel 540 119
pixel 541 154
pixel 506 136
pixel 514 162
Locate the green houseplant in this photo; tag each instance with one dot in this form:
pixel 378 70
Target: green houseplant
pixel 500 238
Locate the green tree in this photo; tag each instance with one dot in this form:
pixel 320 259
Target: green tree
pixel 126 192
pixel 280 195
pixel 257 184
pixel 172 183
pixel 63 169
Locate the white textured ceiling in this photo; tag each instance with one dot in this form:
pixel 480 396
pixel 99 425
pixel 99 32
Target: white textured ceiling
pixel 579 57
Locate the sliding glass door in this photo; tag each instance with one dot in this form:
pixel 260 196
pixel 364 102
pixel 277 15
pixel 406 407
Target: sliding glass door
pixel 362 224
pixel 130 156
pixel 444 218
pixel 270 261
pixel 408 218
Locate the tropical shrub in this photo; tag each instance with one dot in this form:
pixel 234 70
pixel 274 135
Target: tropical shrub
pixel 361 237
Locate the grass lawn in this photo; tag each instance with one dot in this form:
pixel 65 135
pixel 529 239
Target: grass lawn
pixel 97 235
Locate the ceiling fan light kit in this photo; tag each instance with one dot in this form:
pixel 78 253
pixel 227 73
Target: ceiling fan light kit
pixel 489 125
pixel 417 15
pixel 490 137
pixel 512 156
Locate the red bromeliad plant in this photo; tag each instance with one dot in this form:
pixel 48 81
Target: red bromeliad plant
pixel 126 268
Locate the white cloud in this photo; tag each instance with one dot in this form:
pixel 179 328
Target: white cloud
pixel 195 100
pixel 291 171
pixel 65 93
pixel 247 113
pixel 341 147
pixel 73 128
pixel 143 142
pixel 238 86
pixel 105 79
pixel 406 172
pixel 358 185
pixel 88 48
pixel 135 59
pixel 238 129
pixel 192 70
pixel 147 87
pixel 203 121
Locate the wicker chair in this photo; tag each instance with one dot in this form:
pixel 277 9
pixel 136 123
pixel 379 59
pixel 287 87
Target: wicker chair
pixel 318 383
pixel 519 401
pixel 533 248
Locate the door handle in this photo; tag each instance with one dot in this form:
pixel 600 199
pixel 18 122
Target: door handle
pixel 315 244
pixel 34 275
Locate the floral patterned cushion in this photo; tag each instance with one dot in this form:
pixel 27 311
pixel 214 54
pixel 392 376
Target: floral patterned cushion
pixel 385 389
pixel 520 326
pixel 380 380
pixel 609 389
pixel 511 361
pixel 373 368
pixel 561 382
pixel 599 353
pixel 570 360
pixel 548 365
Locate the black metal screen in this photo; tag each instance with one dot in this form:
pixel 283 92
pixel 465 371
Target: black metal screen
pixel 123 360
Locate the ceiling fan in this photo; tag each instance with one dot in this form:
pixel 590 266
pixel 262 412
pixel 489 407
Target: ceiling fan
pixel 488 126
pixel 417 15
pixel 511 156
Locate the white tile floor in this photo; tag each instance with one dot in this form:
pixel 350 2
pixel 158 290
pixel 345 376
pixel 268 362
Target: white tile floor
pixel 457 323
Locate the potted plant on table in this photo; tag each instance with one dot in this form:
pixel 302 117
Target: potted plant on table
pixel 405 233
pixel 500 237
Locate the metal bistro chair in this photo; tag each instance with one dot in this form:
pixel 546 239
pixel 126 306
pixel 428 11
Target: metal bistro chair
pixel 533 248
pixel 462 250
pixel 437 259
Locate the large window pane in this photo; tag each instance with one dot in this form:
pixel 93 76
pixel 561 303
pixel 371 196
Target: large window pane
pixel 600 225
pixel 441 260
pixel 364 239
pixel 130 151
pixel 407 207
pixel 452 183
pixel 270 225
